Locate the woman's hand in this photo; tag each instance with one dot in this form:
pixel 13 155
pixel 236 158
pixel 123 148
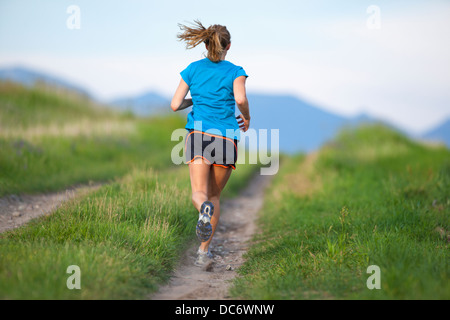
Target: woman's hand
pixel 185 104
pixel 243 123
pixel 242 103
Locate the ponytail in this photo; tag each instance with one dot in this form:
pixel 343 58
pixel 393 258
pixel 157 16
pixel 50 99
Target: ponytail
pixel 216 37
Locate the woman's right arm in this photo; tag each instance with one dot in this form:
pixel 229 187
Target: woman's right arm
pixel 242 102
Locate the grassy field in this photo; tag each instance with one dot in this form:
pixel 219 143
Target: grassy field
pixel 127 236
pixel 49 141
pixel 372 197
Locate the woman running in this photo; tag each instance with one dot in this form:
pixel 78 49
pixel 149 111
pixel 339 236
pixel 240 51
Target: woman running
pixel 216 87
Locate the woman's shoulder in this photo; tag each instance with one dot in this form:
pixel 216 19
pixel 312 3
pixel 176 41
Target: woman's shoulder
pixel 237 70
pixel 231 64
pixel 206 63
pixel 196 63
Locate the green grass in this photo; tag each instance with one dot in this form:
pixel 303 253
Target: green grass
pixel 374 198
pixel 48 141
pixel 125 237
pixel 50 163
pixel 24 107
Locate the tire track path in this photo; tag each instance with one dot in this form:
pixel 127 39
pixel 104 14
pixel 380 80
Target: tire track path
pixel 231 240
pixel 16 210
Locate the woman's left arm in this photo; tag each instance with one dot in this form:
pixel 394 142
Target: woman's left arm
pixel 178 101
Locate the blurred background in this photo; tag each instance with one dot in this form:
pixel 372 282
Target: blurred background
pixel 314 66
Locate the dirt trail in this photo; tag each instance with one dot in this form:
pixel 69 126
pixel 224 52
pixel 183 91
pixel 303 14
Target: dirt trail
pixel 230 242
pixel 18 210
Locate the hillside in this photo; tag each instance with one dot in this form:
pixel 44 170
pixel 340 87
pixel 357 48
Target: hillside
pixel 29 78
pixel 439 134
pixel 369 197
pixel 22 106
pixel 50 140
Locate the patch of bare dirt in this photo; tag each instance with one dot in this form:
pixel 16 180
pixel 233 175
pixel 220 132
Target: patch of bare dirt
pixel 231 240
pixel 16 210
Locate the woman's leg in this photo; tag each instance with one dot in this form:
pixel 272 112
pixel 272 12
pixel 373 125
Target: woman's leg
pixel 217 180
pixel 199 172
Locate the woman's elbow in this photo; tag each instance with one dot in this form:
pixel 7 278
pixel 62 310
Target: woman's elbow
pixel 173 106
pixel 241 101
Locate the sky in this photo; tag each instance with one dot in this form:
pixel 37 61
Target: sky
pixel 388 59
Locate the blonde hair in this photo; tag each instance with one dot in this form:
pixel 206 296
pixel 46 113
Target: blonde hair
pixel 216 38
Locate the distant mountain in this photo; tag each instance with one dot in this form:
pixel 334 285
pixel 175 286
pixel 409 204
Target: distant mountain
pixel 303 125
pixel 28 78
pixel 439 134
pixel 146 104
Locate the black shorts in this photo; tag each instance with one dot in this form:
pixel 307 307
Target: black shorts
pixel 215 150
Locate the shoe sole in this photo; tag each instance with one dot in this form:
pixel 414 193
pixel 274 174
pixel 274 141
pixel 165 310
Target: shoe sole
pixel 204 227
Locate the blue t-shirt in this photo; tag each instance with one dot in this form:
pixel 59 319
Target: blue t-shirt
pixel 211 86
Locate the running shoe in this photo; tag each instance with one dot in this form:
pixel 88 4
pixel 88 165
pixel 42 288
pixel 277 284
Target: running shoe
pixel 203 258
pixel 204 227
